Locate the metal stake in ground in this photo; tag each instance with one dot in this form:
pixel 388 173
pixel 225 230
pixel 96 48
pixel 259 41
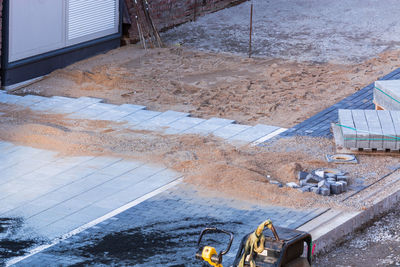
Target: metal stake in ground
pixel 155 33
pixel 194 10
pixel 251 27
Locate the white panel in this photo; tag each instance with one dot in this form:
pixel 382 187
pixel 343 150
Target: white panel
pixel 92 18
pixel 36 26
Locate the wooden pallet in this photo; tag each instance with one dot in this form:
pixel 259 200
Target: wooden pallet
pixel 377 106
pixel 362 151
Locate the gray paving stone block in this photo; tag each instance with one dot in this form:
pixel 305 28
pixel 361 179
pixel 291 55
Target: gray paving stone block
pixel 347 127
pixel 162 120
pixel 375 129
pixel 388 130
pixel 183 124
pixel 47 104
pixel 140 116
pixel 92 111
pixel 119 112
pixel 209 126
pixel 130 108
pixel 121 167
pixel 362 133
pixel 9 99
pixel 254 133
pixel 386 94
pixel 73 106
pixel 230 130
pixel 396 123
pixel 29 100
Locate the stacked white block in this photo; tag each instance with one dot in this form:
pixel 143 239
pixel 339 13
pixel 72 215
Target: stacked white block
pixel 387 94
pixel 368 129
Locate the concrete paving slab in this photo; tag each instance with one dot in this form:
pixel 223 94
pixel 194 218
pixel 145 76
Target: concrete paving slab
pixel 130 108
pixel 388 130
pixel 347 126
pixel 121 167
pixel 119 112
pixel 387 94
pixel 48 104
pixel 140 116
pixel 396 122
pixel 183 124
pixel 375 129
pixel 230 130
pixel 208 126
pixel 9 99
pixel 158 123
pixel 92 111
pixel 29 100
pixel 362 133
pixel 254 133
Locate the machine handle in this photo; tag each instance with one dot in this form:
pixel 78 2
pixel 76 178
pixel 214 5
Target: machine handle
pixel 216 230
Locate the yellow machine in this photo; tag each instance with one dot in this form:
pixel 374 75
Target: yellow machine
pixel 262 249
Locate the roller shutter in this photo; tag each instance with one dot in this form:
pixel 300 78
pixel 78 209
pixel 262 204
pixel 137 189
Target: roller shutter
pixel 90 19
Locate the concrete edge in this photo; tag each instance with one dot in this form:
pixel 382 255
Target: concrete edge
pixel 333 226
pixel 14 87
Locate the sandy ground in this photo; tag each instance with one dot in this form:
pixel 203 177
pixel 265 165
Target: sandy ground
pixel 206 162
pixel 270 91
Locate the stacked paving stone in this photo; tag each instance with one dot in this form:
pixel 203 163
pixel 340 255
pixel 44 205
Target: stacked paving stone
pixel 137 117
pixel 387 94
pixel 322 181
pixel 368 129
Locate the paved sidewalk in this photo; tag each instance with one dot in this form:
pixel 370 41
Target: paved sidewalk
pixel 55 195
pixel 137 117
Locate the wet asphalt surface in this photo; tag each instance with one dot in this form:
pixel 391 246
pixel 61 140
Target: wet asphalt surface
pixel 11 243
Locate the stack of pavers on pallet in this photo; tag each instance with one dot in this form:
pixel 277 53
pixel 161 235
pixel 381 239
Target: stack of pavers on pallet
pixel 372 129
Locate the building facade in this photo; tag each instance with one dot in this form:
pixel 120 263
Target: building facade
pixel 39 36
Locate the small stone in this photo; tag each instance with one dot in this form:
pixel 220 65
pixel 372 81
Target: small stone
pixel 304 189
pixel 330 175
pixel 323 184
pixel 319 173
pixel 313 179
pixel 343 178
pixel 336 188
pixel 315 190
pixel 303 182
pixel 331 180
pixel 292 185
pixel 344 185
pixel 279 184
pixel 302 175
pixel 324 191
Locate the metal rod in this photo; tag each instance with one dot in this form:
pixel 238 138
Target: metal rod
pixel 251 28
pixel 194 10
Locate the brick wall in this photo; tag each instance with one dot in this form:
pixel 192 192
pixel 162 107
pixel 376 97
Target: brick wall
pixel 170 13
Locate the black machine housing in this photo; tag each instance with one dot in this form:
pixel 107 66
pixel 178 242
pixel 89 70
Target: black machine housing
pixel 287 251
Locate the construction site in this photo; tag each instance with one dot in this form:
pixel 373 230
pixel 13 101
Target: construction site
pixel 205 133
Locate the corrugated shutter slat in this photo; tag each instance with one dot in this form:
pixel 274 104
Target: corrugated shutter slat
pixel 87 17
